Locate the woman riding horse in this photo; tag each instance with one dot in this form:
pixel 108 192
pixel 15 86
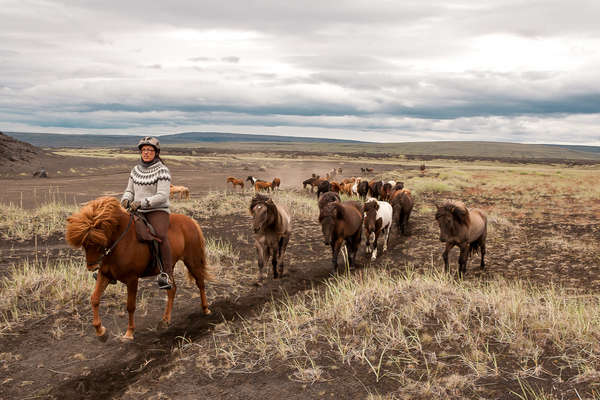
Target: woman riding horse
pixel 147 192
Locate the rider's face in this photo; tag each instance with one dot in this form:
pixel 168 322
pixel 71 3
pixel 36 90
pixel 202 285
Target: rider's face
pixel 148 153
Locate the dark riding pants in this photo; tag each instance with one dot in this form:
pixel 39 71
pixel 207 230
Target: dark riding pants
pixel 160 221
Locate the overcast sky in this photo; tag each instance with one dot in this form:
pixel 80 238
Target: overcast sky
pixel 504 70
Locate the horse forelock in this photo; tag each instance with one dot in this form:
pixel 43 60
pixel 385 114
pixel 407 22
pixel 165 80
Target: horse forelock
pixel 258 199
pixel 458 210
pixel 94 224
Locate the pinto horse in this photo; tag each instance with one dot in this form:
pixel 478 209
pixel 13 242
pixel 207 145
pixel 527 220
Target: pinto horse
pixel 341 222
pixel 105 231
pixel 464 228
pixel 235 182
pixel 272 226
pixel 377 220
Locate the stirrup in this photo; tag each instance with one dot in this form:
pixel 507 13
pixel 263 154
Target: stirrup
pixel 111 281
pixel 163 281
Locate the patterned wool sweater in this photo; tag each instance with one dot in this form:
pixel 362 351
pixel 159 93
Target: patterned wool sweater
pixel 150 186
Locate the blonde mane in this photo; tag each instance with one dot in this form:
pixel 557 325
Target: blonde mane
pixel 95 223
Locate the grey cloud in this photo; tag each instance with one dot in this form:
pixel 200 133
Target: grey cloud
pixel 231 59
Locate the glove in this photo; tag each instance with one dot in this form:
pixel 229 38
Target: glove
pixel 125 203
pixel 135 205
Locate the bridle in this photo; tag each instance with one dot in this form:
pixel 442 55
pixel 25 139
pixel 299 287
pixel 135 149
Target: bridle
pixel 106 252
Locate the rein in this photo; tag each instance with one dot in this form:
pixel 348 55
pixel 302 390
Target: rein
pixel 111 248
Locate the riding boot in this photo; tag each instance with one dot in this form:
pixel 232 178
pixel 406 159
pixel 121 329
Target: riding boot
pixel 164 279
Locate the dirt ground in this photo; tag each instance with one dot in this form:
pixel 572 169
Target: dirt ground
pixel 37 364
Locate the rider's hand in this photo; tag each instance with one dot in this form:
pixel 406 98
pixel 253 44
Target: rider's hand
pixel 135 205
pixel 125 203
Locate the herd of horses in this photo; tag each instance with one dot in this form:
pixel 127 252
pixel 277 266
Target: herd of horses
pixel 259 185
pixel 116 252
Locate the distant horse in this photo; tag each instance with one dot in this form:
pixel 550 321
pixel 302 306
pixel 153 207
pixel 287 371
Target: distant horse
pixel 375 188
pixel 310 181
pixel 235 182
pixel 341 222
pixel 324 186
pixel 464 228
pixel 262 186
pixel 272 226
pixel 377 219
pixel 334 187
pixel 182 191
pixel 275 184
pixel 346 188
pixel 402 204
pixel 253 180
pixel 103 228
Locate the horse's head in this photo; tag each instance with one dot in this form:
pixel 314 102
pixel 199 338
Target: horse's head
pixel 93 227
pixel 327 218
pixel 370 219
pixel 450 216
pixel 250 178
pixel 263 212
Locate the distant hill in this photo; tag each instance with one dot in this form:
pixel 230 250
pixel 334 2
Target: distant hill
pixel 89 140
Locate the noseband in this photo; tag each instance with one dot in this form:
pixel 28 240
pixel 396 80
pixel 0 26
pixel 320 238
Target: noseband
pixel 111 248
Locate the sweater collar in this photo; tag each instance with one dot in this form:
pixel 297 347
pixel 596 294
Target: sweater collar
pixel 148 164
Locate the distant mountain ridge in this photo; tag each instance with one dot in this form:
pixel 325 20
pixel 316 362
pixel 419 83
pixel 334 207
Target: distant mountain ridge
pixel 89 140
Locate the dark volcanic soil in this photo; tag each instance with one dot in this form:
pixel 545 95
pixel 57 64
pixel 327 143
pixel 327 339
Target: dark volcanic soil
pixel 59 357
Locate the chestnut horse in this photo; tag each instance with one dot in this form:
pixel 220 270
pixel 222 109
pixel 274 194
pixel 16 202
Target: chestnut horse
pixel 261 185
pixel 104 230
pixel 275 184
pixel 341 222
pixel 235 182
pixel 272 226
pixel 183 191
pixel 464 228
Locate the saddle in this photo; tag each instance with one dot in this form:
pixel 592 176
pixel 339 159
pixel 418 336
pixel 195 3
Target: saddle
pixel 145 233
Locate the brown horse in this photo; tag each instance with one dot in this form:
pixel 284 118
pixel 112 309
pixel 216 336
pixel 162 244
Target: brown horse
pixel 262 186
pixel 182 191
pixel 402 204
pixel 235 182
pixel 272 226
pixel 464 228
pixel 104 230
pixel 275 184
pixel 341 222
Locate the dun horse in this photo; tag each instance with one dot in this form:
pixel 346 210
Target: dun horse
pixel 182 191
pixel 464 228
pixel 341 222
pixel 106 233
pixel 272 226
pixel 378 219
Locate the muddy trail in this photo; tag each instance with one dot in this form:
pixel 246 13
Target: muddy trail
pixel 59 357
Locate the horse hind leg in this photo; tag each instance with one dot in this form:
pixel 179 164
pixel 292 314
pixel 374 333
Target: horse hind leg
pixel 197 271
pixel 274 259
pixel 482 249
pixel 283 242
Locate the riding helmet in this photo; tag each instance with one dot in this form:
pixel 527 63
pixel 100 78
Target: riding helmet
pixel 150 141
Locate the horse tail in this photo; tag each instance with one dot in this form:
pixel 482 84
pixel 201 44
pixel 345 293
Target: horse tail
pixel 201 269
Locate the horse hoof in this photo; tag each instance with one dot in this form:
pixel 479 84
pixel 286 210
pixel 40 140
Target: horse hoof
pixel 207 312
pixel 104 336
pixel 126 338
pixel 162 324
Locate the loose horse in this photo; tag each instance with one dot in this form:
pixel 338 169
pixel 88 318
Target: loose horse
pixel 402 204
pixel 235 182
pixel 363 189
pixel 104 230
pixel 464 228
pixel 341 222
pixel 182 191
pixel 324 187
pixel 275 184
pixel 272 226
pixel 262 186
pixel 377 219
pixel 310 181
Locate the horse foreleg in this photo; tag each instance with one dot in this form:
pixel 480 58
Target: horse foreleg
pixel 374 253
pixel 260 254
pixel 462 259
pixel 283 242
pixel 336 245
pixel 101 284
pixel 482 249
pixel 132 287
pixel 449 246
pixel 387 236
pixel 170 298
pixel 274 261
